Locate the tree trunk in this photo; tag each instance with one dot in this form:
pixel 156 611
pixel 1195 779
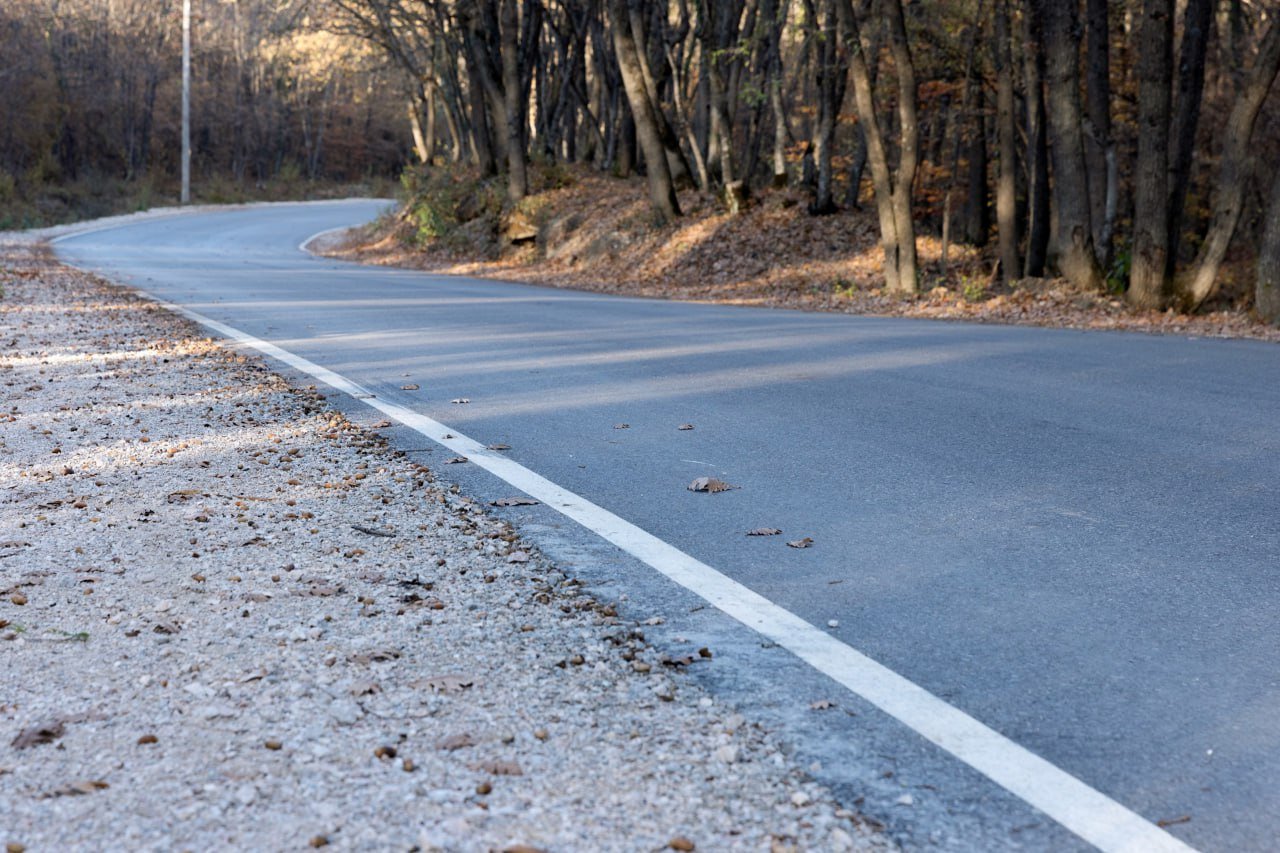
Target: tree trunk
pixel 513 103
pixel 1186 116
pixel 1006 133
pixel 1233 172
pixel 662 190
pixel 1148 283
pixel 1073 237
pixel 1267 293
pixel 831 85
pixel 1098 143
pixel 977 204
pixel 893 187
pixel 1037 152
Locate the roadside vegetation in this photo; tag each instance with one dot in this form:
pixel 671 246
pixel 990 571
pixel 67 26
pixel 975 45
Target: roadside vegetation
pixel 961 151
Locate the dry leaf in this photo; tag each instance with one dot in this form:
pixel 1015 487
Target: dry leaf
pixel 800 543
pixel 410 387
pixel 685 426
pixel 513 502
pixel 499 768
pixel 709 484
pixel 182 495
pixel 46 732
pixel 764 531
pixel 452 742
pixel 1173 821
pixel 498 447
pixel 374 655
pixel 449 683
pixel 373 531
pixel 75 789
pixel 455 460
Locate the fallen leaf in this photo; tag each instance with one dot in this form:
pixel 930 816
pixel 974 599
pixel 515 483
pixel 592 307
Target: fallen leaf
pixel 448 683
pixel 181 495
pixel 410 387
pixel 1173 821
pixel 374 655
pixel 513 502
pixel 685 426
pixel 455 460
pixel 373 531
pixel 709 484
pixel 452 742
pixel 460 400
pixel 498 447
pixel 381 425
pixel 499 768
pixel 46 732
pixel 75 789
pixel 800 543
pixel 764 531
pixel 386 753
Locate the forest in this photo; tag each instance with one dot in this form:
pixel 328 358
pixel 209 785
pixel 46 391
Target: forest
pixel 1126 145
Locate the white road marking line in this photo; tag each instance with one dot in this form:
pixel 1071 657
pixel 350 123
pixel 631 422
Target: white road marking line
pixel 302 247
pixel 1088 813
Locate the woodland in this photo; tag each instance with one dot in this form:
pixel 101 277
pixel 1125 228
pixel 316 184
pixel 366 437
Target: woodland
pixel 1128 146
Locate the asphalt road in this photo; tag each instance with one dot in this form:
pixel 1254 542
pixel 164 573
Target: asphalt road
pixel 1073 537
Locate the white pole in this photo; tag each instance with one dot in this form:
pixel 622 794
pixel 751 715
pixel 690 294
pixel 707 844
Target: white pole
pixel 186 101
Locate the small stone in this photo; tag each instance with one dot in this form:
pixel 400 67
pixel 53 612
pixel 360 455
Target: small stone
pixel 833 623
pixel 319 841
pixel 386 753
pixel 18 599
pixel 246 794
pixel 14 847
pixel 681 843
pixel 727 754
pixel 273 745
pixel 800 799
pixel 641 666
pixel 541 734
pixel 906 800
pixel 408 766
pixel 145 739
pixel 483 788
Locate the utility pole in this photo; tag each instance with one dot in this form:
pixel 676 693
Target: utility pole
pixel 186 102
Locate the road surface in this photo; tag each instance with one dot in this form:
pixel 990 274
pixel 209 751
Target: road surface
pixel 1071 537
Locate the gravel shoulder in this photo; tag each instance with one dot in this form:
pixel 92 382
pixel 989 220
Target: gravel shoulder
pixel 232 619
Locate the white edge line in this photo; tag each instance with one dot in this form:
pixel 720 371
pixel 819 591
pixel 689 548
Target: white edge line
pixel 1088 813
pixel 302 247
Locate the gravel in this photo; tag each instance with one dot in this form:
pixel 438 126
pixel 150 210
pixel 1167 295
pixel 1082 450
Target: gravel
pixel 230 618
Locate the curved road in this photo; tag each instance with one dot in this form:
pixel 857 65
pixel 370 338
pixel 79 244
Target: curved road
pixel 1072 537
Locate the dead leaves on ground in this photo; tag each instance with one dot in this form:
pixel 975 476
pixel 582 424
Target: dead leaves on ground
pixel 764 531
pixel 75 789
pixel 806 542
pixel 709 484
pixel 516 501
pixel 46 732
